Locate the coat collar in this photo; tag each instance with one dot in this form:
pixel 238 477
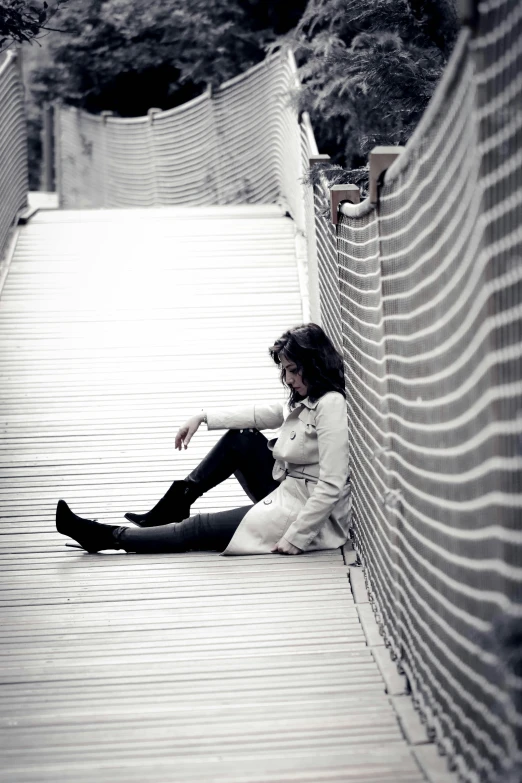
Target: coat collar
pixel 306 402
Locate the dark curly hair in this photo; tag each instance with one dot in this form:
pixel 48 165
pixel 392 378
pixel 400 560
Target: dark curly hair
pixel 315 357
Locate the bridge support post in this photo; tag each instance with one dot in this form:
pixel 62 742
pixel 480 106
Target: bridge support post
pixel 47 178
pixel 313 272
pixel 381 159
pixel 313 159
pixel 468 12
pixel 340 193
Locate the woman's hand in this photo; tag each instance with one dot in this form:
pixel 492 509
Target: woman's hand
pixel 284 547
pixel 186 432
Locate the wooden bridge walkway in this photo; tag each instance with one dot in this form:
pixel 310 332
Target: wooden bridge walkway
pixel 114 327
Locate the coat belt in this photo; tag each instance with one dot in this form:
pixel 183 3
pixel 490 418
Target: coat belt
pixel 301 476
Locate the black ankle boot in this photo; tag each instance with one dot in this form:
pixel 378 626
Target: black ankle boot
pixel 91 535
pixel 174 506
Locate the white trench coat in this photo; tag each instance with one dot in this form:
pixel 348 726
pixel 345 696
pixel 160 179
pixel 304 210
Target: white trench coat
pixel 311 508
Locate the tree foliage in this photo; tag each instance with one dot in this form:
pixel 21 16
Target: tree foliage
pixel 127 55
pixel 369 69
pixel 24 21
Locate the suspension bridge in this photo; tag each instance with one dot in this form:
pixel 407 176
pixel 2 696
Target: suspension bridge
pixel 183 244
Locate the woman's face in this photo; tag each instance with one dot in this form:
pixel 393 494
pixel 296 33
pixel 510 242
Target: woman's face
pixel 293 377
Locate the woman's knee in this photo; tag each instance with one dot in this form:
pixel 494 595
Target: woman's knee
pixel 244 440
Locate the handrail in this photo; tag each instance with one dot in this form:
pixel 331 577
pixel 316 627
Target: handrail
pixel 247 148
pixel 357 210
pixel 308 131
pixel 423 292
pixel 14 178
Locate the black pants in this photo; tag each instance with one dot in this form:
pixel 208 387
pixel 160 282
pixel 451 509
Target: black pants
pixel 243 453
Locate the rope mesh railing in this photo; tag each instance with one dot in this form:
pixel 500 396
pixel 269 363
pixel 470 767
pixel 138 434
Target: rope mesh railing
pixel 238 144
pixel 327 264
pixel 422 295
pixel 308 148
pixel 430 284
pixel 13 146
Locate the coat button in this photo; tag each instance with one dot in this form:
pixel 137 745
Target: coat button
pixel 267 502
pixel 292 435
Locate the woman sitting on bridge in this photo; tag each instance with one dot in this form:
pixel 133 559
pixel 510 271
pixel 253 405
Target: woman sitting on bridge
pixel 299 481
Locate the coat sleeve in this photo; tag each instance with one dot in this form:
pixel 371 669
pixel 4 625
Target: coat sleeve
pixel 332 438
pixel 262 417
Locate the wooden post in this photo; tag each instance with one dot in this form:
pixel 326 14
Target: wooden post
pixel 381 159
pixel 57 156
pixel 313 159
pixel 468 12
pixel 339 193
pixel 311 237
pixel 48 184
pixel 18 61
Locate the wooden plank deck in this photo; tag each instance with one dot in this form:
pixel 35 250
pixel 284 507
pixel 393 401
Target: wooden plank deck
pixel 114 327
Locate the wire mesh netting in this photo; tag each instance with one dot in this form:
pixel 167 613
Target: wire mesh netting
pixel 238 144
pixel 430 288
pixel 308 147
pixel 13 146
pixel 328 273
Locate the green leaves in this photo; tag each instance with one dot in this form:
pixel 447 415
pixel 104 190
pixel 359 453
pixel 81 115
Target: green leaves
pixel 369 69
pixel 22 21
pixel 127 55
